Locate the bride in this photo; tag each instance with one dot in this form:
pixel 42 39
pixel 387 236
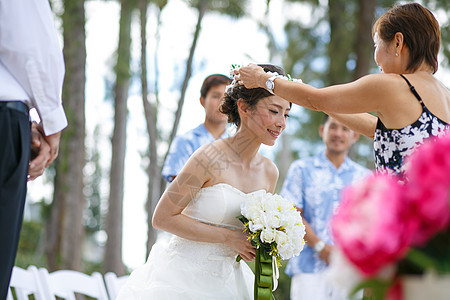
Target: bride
pixel 201 205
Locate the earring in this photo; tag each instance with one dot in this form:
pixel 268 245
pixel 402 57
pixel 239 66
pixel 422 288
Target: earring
pixel 396 54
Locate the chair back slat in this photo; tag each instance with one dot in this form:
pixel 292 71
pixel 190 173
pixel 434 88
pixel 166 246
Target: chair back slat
pixel 114 283
pixel 65 283
pixel 26 282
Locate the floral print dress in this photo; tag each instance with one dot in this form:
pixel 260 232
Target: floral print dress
pixel 393 146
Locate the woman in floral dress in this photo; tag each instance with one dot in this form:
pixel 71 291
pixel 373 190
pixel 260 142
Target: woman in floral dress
pixel 411 104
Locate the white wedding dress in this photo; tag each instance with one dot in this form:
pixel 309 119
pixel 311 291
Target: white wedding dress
pixel 185 269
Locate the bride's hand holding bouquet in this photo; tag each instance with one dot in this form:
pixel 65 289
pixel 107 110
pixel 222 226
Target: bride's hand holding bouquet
pixel 239 242
pixel 276 229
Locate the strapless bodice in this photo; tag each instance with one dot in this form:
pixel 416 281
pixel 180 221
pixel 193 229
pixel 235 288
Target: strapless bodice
pixel 219 205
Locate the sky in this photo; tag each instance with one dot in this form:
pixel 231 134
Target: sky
pixel 223 41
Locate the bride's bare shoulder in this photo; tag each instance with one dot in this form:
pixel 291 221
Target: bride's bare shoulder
pixel 271 172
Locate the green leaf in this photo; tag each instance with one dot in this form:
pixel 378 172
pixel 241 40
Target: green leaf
pixel 243 219
pixel 377 286
pixel 421 259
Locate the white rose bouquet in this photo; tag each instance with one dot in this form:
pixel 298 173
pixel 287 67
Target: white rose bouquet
pixel 276 230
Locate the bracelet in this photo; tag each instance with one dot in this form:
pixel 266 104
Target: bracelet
pixel 318 247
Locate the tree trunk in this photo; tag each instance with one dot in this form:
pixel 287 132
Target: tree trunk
pixel 65 231
pixel 150 117
pixel 201 12
pixel 363 41
pixel 340 45
pixel 113 251
pixel 159 183
pixel 161 5
pixel 156 182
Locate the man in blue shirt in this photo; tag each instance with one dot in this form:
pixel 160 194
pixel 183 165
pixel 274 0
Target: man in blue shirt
pixel 314 184
pixel 213 128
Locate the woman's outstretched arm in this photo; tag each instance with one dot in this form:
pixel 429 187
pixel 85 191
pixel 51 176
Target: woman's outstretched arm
pixel 363 123
pixel 371 93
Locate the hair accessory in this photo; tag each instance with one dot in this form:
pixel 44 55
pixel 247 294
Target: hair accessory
pixel 233 67
pixel 229 88
pixel 288 77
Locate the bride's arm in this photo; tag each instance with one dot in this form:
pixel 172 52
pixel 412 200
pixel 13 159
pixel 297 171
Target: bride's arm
pixel 168 217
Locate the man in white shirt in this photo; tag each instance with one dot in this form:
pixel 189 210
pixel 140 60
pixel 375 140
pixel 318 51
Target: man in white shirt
pixel 31 76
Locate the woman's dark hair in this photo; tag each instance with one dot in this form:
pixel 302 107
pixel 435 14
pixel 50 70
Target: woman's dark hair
pixel 212 81
pixel 251 97
pixel 420 31
pixel 325 118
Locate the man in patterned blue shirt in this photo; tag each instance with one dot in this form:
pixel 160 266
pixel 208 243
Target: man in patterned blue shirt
pixel 314 185
pixel 213 128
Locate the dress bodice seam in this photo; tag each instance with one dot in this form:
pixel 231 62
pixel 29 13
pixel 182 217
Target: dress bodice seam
pixel 229 186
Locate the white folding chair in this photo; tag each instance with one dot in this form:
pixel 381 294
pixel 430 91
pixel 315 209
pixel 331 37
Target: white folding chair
pixel 114 284
pixel 65 283
pixel 25 283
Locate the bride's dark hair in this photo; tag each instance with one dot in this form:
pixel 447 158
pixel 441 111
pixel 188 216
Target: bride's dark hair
pixel 251 97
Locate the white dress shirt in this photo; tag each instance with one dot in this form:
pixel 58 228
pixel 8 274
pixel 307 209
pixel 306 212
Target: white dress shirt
pixel 31 60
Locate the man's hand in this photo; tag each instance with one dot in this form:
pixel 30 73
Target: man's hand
pixel 40 152
pixel 53 141
pixel 325 254
pixel 44 148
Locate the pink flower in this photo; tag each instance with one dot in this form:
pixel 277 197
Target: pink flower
pixel 380 218
pixel 395 292
pixel 428 183
pixel 370 225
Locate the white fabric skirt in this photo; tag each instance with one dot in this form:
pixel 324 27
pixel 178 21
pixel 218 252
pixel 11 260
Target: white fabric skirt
pixel 184 269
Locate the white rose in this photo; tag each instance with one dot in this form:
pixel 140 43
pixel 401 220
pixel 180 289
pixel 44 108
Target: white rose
pixel 286 250
pixel 284 204
pixel 297 241
pixel 299 229
pixel 281 238
pixel 273 220
pixel 268 235
pixel 290 219
pixel 251 208
pixel 255 225
pixel 268 204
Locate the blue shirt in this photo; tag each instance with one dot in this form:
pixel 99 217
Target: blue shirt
pixel 314 185
pixel 183 146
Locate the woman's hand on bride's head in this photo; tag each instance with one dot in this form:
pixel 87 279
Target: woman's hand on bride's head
pixel 239 242
pixel 251 76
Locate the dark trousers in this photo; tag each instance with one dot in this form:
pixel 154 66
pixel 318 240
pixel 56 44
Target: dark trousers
pixel 15 138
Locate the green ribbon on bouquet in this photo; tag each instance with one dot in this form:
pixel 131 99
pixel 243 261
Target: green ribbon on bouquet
pixel 263 274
